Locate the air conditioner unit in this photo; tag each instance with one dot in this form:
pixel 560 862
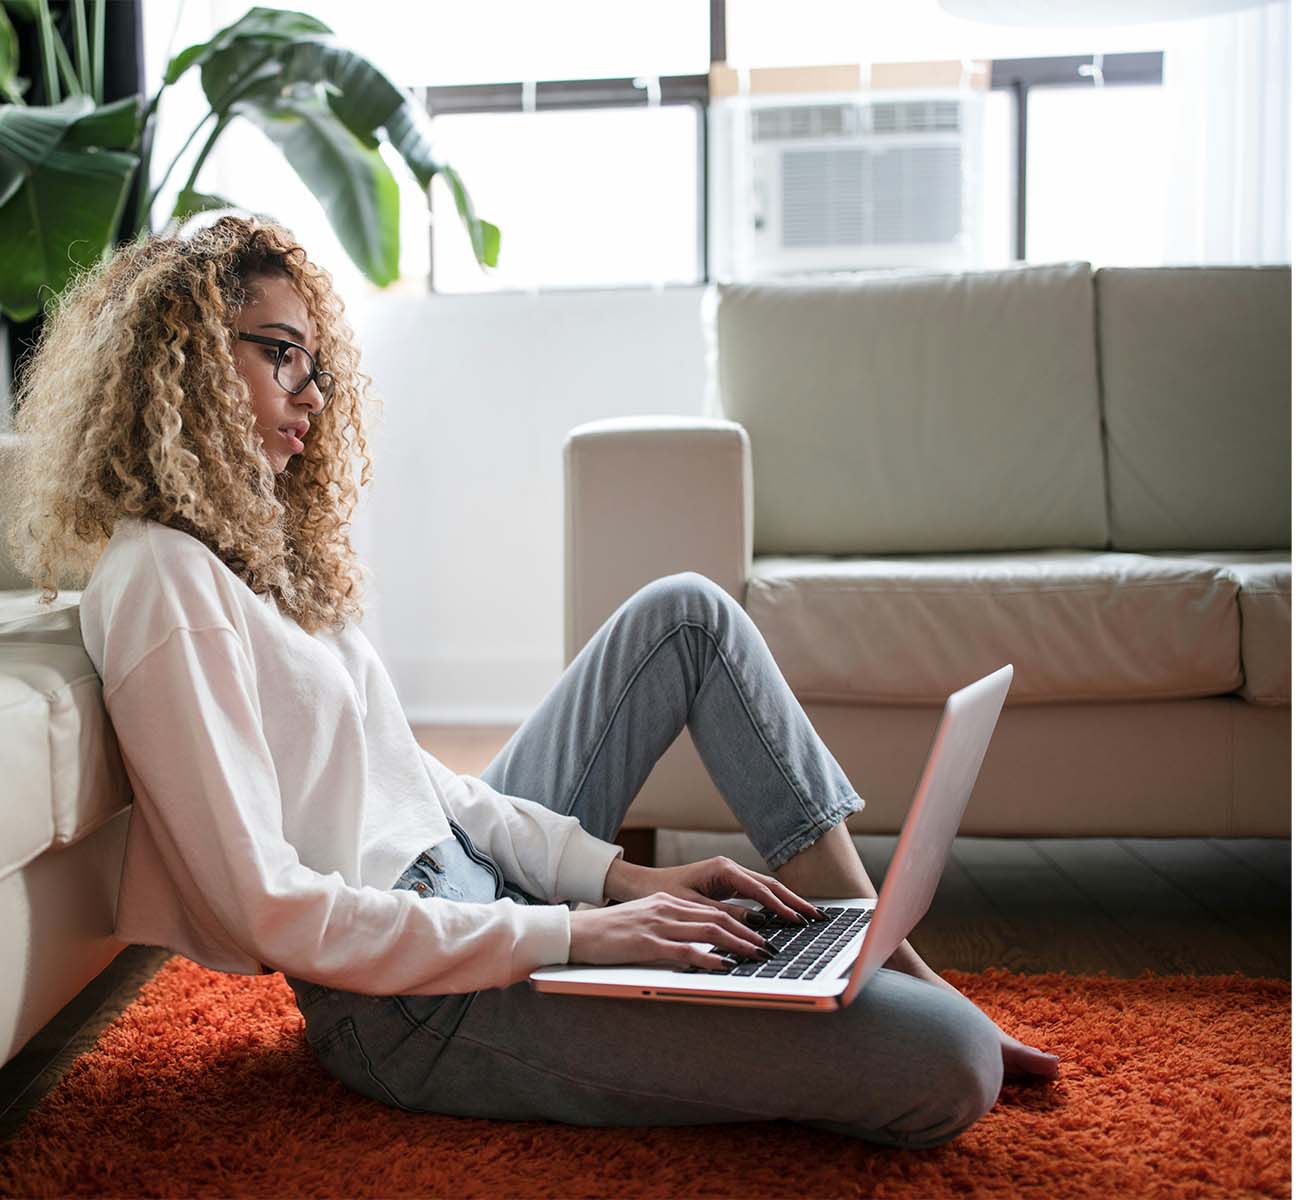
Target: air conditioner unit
pixel 849 182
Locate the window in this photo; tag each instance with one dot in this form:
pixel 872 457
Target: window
pixel 1089 173
pixel 588 197
pixel 1096 182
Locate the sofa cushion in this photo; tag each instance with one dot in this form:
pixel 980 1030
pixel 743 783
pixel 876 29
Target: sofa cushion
pixel 1264 578
pixel 917 413
pixel 1077 625
pixel 1196 370
pixel 58 753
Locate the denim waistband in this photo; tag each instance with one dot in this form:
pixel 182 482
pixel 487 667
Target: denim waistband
pixel 454 869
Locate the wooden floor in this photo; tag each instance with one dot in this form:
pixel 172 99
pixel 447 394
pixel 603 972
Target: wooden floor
pixel 1204 906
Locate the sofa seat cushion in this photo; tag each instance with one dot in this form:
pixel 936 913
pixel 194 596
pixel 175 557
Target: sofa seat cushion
pixel 1264 577
pixel 1077 625
pixel 58 754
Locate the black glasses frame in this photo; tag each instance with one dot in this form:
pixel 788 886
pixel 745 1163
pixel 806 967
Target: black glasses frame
pixel 283 345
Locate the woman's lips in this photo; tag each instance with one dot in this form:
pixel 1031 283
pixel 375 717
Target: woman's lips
pixel 296 444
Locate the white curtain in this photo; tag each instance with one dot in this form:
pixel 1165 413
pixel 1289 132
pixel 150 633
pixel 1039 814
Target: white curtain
pixel 1228 78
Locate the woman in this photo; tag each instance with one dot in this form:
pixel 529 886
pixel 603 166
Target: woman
pixel 191 420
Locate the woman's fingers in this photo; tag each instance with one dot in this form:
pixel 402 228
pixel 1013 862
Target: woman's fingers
pixel 774 894
pixel 725 938
pixel 709 921
pixel 722 874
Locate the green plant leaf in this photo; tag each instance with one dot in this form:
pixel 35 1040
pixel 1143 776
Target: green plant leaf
pixel 64 215
pixel 18 90
pixel 28 134
pixel 190 202
pixel 368 97
pixel 484 236
pixel 350 180
pixel 8 58
pixel 59 201
pixel 112 126
pixel 320 100
pixel 245 70
pixel 366 100
pixel 363 99
pixel 264 24
pixel 340 104
pixel 29 10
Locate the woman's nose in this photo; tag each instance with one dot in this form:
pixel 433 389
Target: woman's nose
pixel 311 390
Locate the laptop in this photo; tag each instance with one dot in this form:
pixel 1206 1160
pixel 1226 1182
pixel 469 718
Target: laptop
pixel 822 966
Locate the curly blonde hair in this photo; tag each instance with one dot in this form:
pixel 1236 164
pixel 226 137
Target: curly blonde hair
pixel 131 405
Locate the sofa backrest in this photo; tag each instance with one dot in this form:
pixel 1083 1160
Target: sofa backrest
pixel 918 412
pixel 1196 371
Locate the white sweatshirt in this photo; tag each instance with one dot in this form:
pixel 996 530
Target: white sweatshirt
pixel 279 793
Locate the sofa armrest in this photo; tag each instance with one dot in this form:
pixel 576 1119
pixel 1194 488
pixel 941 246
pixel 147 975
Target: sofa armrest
pixel 648 496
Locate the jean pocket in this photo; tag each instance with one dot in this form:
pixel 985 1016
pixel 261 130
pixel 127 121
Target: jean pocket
pixel 342 1055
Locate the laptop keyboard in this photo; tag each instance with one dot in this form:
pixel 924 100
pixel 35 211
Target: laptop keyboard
pixel 802 950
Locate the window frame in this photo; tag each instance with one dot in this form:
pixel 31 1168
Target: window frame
pixel 1020 75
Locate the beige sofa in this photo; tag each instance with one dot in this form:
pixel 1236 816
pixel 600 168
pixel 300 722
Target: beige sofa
pixel 63 820
pixel 912 479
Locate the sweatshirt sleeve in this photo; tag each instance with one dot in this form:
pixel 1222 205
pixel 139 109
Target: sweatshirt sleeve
pixel 540 850
pixel 189 727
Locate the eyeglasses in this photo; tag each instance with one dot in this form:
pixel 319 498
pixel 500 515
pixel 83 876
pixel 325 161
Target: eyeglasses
pixel 295 366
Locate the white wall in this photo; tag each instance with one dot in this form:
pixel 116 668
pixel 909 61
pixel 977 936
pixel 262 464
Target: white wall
pixel 462 527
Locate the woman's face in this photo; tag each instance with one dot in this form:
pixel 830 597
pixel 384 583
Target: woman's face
pixel 276 310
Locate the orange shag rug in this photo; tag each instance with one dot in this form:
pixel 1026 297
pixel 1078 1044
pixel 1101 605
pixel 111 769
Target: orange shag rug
pixel 1175 1086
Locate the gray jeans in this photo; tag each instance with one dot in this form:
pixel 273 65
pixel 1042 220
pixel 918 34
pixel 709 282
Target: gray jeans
pixel 907 1064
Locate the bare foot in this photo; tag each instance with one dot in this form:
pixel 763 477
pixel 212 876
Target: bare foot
pixel 1021 1059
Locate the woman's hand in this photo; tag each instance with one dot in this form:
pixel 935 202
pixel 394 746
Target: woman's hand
pixel 658 930
pixel 666 909
pixel 707 882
